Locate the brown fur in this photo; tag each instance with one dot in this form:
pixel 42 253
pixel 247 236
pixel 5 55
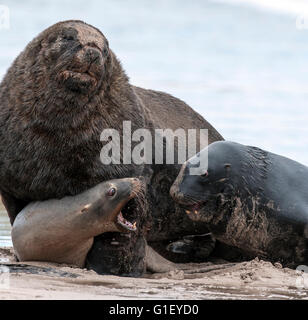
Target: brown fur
pixel 55 100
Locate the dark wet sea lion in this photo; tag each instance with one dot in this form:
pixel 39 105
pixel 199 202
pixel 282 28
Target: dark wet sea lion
pixel 62 231
pixel 55 100
pixel 251 199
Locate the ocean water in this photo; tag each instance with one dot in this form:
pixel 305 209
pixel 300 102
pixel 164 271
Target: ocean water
pixel 240 64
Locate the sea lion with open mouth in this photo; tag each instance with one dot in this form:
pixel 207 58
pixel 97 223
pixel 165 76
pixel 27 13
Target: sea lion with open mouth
pixel 62 231
pixel 252 199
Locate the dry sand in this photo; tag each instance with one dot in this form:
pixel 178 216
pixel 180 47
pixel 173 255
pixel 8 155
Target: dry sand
pixel 247 280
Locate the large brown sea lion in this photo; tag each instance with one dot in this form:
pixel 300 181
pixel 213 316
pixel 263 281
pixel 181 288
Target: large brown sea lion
pixel 55 100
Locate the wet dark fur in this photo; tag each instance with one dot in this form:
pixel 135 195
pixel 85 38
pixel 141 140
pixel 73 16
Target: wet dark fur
pixel 251 199
pixel 50 126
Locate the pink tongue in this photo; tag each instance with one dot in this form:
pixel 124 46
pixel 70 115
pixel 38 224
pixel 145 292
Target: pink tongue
pixel 124 221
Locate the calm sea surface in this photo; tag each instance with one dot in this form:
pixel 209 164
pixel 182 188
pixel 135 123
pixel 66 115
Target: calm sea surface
pixel 242 67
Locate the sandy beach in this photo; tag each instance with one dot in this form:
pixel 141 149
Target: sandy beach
pixel 241 65
pixel 254 279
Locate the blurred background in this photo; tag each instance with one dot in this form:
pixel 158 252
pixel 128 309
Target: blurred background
pixel 241 64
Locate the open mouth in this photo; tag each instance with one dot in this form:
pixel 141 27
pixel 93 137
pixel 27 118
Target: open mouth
pixel 194 209
pixel 126 215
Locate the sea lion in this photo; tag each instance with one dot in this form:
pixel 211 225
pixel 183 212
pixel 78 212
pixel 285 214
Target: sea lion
pixel 70 224
pixel 252 199
pixel 55 100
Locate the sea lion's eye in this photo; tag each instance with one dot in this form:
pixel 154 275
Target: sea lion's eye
pixel 105 51
pixel 204 174
pixel 111 192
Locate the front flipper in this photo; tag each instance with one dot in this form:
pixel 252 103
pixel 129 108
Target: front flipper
pixel 156 263
pixel 12 205
pixel 197 248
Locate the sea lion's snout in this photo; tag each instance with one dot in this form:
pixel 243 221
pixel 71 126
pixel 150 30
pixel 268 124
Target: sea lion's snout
pixel 190 190
pixel 85 70
pixel 116 203
pixel 89 59
pixel 200 189
pixel 122 196
pixel 92 55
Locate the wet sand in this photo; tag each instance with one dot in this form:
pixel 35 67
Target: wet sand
pixel 254 279
pixel 247 280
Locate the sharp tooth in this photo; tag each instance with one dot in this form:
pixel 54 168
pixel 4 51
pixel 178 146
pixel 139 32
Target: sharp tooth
pixel 195 212
pixel 134 225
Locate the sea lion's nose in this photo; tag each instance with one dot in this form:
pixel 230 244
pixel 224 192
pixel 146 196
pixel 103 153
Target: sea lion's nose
pixel 92 55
